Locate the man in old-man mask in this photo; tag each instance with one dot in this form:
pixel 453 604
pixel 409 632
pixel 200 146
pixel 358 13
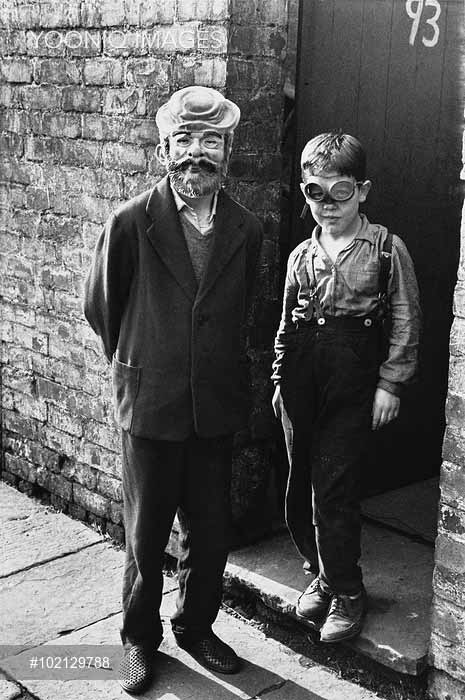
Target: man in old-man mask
pixel 168 293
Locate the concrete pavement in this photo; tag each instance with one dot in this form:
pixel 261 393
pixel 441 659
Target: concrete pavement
pixel 60 598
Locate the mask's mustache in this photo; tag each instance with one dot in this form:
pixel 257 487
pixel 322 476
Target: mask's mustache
pixel 204 163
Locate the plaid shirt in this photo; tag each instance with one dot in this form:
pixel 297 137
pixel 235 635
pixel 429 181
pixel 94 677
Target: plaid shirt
pixel 350 287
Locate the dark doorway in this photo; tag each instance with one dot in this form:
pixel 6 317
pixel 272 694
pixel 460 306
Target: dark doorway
pixel 388 71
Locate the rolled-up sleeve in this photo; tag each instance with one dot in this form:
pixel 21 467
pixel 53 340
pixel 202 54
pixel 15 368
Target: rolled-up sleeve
pixel 400 365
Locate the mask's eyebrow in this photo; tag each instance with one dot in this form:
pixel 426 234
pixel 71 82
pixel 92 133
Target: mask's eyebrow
pixel 202 134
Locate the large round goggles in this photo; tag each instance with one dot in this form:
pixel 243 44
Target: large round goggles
pixel 340 191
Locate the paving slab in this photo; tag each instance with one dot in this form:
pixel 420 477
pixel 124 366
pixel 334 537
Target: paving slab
pixel 33 534
pixel 9 690
pixel 397 574
pixel 411 509
pixel 41 603
pixel 270 669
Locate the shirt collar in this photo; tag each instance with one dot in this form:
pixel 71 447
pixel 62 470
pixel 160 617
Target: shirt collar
pixel 180 203
pixel 366 232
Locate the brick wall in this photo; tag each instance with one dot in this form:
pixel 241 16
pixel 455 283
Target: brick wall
pixel 447 682
pixel 79 86
pixel 254 80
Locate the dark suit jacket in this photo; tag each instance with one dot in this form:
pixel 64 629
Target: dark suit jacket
pixel 178 359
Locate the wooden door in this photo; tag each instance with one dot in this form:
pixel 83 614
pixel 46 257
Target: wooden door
pixel 389 72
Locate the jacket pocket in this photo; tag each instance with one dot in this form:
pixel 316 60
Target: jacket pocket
pixel 125 388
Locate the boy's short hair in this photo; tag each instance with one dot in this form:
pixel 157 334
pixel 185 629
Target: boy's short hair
pixel 334 151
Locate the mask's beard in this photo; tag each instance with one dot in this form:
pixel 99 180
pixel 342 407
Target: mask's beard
pixel 205 181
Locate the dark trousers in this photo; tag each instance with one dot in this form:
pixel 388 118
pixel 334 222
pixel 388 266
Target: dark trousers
pixel 328 385
pixel 191 477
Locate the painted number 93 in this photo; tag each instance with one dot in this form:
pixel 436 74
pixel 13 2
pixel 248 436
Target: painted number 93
pixel 414 9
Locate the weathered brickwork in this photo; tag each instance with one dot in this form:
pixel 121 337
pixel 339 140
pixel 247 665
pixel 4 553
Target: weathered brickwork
pixel 447 654
pixel 255 77
pixel 79 87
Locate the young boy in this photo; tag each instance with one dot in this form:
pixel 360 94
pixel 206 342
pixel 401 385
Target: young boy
pixel 334 383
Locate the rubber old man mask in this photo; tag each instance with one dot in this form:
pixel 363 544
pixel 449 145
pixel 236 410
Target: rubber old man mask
pixel 196 128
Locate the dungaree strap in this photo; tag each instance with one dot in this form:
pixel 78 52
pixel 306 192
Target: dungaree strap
pixel 384 271
pixel 314 304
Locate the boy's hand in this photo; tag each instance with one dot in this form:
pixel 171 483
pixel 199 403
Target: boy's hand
pixel 385 408
pixel 276 402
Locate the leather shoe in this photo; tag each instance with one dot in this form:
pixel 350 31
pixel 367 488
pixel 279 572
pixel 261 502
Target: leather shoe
pixel 313 604
pixel 345 618
pixel 210 652
pixel 136 669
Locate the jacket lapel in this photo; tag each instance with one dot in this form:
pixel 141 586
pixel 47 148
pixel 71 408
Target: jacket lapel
pixel 228 237
pixel 167 237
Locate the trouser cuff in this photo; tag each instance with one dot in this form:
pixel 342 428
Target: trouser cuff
pixel 145 641
pixel 190 633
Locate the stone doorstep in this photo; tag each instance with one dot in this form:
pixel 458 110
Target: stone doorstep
pixel 411 509
pixel 398 579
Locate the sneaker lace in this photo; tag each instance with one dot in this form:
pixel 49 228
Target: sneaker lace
pixel 315 585
pixel 338 606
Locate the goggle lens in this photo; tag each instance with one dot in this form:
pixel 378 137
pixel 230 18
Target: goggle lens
pixel 340 191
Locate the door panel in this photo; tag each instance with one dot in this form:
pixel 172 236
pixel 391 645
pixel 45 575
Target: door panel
pixel 389 72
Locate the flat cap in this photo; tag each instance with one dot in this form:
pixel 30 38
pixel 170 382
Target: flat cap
pixel 197 108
